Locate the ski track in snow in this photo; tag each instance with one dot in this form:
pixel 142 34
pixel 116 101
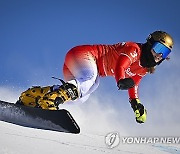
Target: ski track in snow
pixel 168 148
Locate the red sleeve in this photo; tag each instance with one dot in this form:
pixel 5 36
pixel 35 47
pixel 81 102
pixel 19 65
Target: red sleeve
pixel 122 64
pixel 133 92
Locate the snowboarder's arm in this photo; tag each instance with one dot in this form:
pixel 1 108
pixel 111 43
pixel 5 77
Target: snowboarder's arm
pixel 122 64
pixel 122 82
pixel 133 92
pixel 137 106
pixel 128 55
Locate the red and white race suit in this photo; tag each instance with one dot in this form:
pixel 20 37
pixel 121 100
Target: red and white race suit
pixel 86 63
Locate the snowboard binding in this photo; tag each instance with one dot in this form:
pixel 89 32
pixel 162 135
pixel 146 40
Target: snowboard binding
pixel 49 97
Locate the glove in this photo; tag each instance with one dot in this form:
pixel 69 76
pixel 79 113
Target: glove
pixel 125 84
pixel 139 110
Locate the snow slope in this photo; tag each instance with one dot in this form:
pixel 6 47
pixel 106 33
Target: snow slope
pixel 21 140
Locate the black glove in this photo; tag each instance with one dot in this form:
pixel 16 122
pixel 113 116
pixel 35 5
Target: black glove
pixel 125 84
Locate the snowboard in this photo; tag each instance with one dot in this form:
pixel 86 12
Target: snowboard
pixel 55 120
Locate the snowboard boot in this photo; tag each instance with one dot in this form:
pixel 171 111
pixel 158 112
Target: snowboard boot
pixel 31 96
pixel 63 93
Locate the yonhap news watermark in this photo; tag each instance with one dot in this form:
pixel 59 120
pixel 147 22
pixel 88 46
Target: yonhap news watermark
pixel 150 140
pixel 114 139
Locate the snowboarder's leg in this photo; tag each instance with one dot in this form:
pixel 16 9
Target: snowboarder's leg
pixel 80 69
pixel 81 75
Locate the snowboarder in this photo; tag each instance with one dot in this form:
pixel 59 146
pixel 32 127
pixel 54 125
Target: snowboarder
pixel 127 62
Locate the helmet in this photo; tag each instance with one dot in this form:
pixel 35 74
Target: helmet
pixel 162 37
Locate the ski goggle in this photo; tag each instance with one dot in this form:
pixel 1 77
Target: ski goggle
pixel 161 49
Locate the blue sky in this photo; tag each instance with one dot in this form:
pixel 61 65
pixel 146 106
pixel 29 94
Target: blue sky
pixel 35 35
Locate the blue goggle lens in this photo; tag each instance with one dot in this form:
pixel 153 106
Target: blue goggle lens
pixel 162 49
